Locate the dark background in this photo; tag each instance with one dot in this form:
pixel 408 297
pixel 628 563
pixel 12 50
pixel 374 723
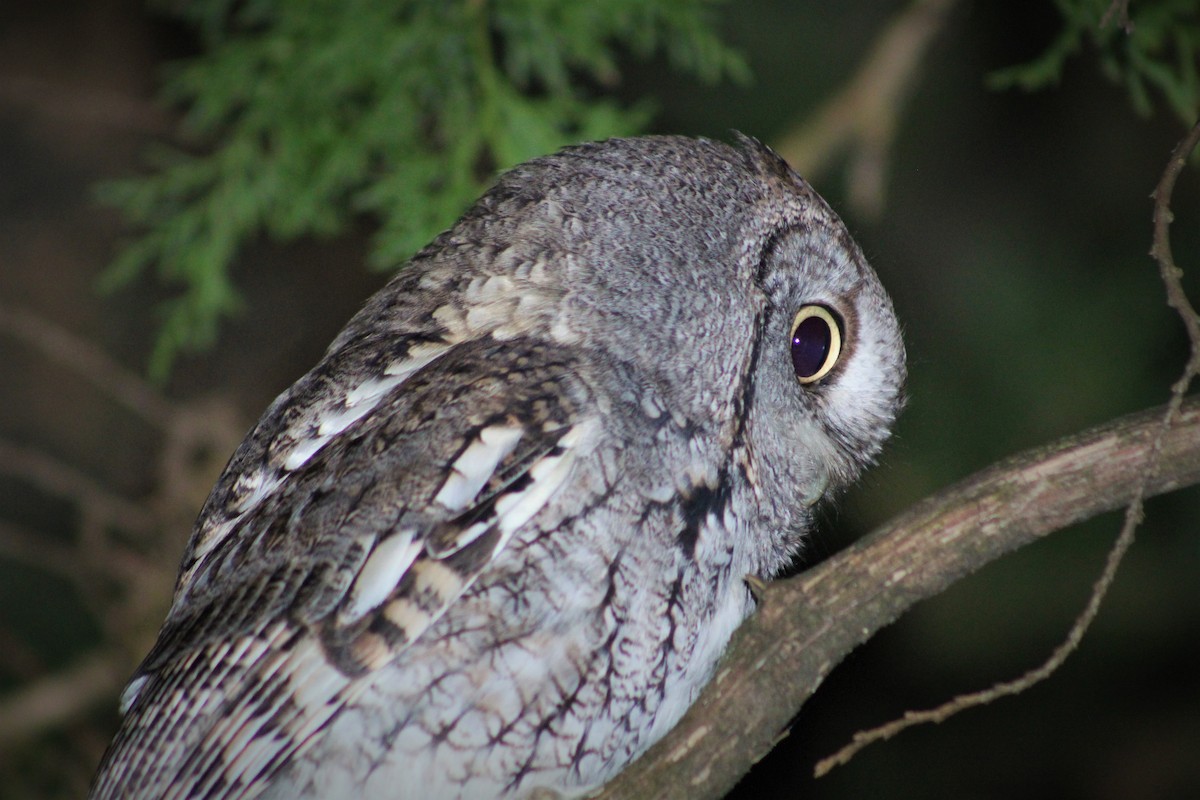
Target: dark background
pixel 1014 241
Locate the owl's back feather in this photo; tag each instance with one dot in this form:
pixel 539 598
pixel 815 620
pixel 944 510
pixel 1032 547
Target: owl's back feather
pixel 349 560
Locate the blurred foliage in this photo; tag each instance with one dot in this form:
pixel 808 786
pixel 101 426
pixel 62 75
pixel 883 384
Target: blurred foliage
pixel 1142 46
pixel 401 110
pixel 305 115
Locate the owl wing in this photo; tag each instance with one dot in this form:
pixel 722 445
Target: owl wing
pixel 350 556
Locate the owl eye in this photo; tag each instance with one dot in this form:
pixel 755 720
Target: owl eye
pixel 816 343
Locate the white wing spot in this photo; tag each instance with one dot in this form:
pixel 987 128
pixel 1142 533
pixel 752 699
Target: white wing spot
pixel 514 510
pixel 130 695
pixel 491 289
pixel 548 474
pixel 248 486
pixel 464 538
pixel 337 422
pixel 260 485
pixel 418 357
pixel 476 464
pixel 303 451
pixel 359 401
pixel 370 390
pixel 489 316
pixel 651 406
pixel 383 569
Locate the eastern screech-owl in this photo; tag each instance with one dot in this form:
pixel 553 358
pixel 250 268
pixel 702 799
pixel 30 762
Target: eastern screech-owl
pixel 496 540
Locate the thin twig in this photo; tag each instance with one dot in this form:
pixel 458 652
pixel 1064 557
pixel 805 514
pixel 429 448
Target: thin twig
pixel 1168 270
pixel 863 116
pixel 21 659
pixel 88 361
pixel 1133 516
pixel 62 696
pixel 25 547
pixel 102 555
pixel 1177 299
pixel 63 481
pixel 1118 10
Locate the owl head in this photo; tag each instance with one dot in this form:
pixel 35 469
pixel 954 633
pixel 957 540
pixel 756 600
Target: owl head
pixel 712 278
pixel 693 281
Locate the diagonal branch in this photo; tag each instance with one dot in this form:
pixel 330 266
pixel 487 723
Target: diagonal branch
pixel 862 117
pixel 88 361
pixel 1177 299
pixel 807 624
pixel 60 697
pixel 69 484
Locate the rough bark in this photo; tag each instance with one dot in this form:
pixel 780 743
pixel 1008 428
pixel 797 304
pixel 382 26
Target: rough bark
pixel 807 624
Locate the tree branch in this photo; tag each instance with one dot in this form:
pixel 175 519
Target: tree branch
pixel 68 483
pixel 807 624
pixel 1177 299
pixel 119 543
pixel 88 361
pixel 63 696
pixel 862 117
pixel 1160 251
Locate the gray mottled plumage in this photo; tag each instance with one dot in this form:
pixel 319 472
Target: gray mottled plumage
pixel 497 538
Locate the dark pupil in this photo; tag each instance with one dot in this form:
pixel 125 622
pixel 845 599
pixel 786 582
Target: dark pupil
pixel 810 346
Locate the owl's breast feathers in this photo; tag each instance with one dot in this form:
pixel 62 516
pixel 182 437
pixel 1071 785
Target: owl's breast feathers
pixel 336 543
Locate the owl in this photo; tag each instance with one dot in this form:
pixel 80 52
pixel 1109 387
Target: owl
pixel 495 542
